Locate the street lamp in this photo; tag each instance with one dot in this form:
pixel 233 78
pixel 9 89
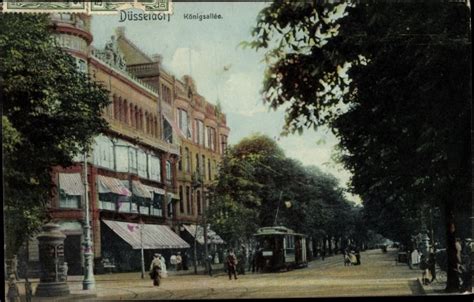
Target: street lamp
pixel 89 280
pixel 141 248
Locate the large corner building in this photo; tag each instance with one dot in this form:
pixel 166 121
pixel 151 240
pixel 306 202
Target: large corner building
pixel 148 174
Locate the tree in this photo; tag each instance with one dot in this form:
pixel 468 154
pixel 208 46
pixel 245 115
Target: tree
pixel 394 90
pixel 51 112
pixel 256 180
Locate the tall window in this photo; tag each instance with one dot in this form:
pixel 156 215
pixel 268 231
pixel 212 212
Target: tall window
pixel 132 115
pixel 197 164
pixel 198 201
pixel 188 199
pixel 223 143
pixel 183 120
pixel 168 170
pixel 167 132
pixel 166 94
pixel 180 161
pixel 187 155
pixel 181 201
pixel 203 165
pixel 199 132
pixel 211 138
pixel 125 111
pixel 209 169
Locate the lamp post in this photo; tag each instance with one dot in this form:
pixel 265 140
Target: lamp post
pixel 89 280
pixel 141 249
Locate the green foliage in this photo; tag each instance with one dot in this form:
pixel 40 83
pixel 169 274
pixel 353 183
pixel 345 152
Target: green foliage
pixel 51 111
pixel 392 110
pixel 256 180
pixel 394 90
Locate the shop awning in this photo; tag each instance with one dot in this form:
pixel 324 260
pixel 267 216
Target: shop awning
pixel 212 236
pixel 71 183
pixel 140 190
pixel 112 185
pixel 154 236
pixel 154 190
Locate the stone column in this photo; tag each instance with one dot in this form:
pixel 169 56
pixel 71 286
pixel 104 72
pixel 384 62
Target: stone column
pixel 51 256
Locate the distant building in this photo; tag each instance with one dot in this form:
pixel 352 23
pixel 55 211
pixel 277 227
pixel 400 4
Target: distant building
pixel 140 185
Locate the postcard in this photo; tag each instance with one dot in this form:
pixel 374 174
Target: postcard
pixel 175 150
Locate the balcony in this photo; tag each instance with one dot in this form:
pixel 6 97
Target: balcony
pixel 145 69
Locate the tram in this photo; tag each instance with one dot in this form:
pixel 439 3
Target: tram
pixel 280 248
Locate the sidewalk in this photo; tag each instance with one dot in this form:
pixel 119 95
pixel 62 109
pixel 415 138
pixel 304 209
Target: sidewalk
pixel 103 281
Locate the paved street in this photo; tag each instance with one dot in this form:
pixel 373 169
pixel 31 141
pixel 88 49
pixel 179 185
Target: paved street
pixel 377 276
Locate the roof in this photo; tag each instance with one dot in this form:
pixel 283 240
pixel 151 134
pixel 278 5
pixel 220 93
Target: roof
pixel 276 230
pixel 154 236
pixel 71 184
pixel 211 235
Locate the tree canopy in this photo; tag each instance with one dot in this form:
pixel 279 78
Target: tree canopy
pixel 256 180
pixel 394 90
pixel 51 112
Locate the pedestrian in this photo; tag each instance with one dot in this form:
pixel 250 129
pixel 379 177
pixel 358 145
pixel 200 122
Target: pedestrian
pixel 231 261
pixel 179 262
pixel 184 261
pixel 242 260
pixel 216 258
pixel 155 268
pixel 415 257
pixel 425 273
pixel 13 293
pixel 209 264
pixel 250 259
pixel 432 266
pixel 173 262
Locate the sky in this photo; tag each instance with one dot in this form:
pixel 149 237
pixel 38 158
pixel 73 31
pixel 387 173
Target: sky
pixel 209 51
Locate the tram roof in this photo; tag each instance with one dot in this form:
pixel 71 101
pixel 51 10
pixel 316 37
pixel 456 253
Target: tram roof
pixel 276 230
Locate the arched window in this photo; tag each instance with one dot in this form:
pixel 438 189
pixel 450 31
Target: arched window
pixel 137 117
pixel 146 122
pixel 156 127
pixel 121 109
pixel 198 201
pixel 141 120
pixel 132 115
pixel 115 107
pixel 187 159
pixel 125 111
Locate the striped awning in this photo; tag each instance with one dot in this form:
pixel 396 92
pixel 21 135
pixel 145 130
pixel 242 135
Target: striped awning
pixel 212 236
pixel 140 190
pixel 112 185
pixel 71 183
pixel 152 236
pixel 154 190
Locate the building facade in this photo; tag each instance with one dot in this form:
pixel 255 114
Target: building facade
pixel 135 169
